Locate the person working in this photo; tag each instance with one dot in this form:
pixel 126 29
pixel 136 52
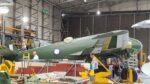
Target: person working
pixel 24 46
pixel 94 63
pixel 148 57
pixel 35 56
pixel 110 66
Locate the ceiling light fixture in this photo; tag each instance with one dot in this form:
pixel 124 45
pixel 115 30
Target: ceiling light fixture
pixel 98 12
pixel 85 1
pixel 25 19
pixel 4 10
pixel 63 14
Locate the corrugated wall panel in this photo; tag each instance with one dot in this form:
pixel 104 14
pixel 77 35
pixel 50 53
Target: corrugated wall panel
pixel 100 24
pixel 110 22
pixel 74 26
pixel 126 22
pixel 142 34
pixel 86 26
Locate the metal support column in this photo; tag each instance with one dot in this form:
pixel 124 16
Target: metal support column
pixel 134 28
pixel 22 26
pixel 105 23
pixel 120 21
pixel 148 38
pixel 80 27
pixel 3 30
pixel 93 26
pixel 14 15
pixel 68 27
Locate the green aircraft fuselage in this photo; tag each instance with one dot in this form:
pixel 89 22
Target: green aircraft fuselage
pixel 66 50
pixel 74 48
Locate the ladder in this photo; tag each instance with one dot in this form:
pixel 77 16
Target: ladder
pixel 25 61
pixel 26 55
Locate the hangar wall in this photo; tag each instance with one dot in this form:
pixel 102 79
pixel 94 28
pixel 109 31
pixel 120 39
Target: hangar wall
pixel 82 25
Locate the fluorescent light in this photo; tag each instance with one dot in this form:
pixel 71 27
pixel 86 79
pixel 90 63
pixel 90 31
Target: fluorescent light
pixel 98 12
pixel 85 0
pixel 25 19
pixel 63 14
pixel 4 10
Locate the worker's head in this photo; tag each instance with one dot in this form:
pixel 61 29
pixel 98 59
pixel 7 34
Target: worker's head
pixel 34 53
pixel 92 55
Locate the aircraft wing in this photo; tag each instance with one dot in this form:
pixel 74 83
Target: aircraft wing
pixel 77 53
pixel 101 45
pixel 142 24
pixel 111 40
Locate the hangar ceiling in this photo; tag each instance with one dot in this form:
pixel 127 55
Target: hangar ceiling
pixel 81 6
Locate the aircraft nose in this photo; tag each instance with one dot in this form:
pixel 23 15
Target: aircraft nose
pixel 134 26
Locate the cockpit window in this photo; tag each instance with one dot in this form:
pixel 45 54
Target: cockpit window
pixel 68 39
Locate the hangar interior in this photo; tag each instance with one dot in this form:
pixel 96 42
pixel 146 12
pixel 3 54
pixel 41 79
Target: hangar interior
pixel 57 41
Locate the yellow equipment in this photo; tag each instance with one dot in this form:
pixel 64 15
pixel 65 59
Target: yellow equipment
pixel 143 58
pixel 130 78
pixel 100 77
pixel 84 74
pixel 8 66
